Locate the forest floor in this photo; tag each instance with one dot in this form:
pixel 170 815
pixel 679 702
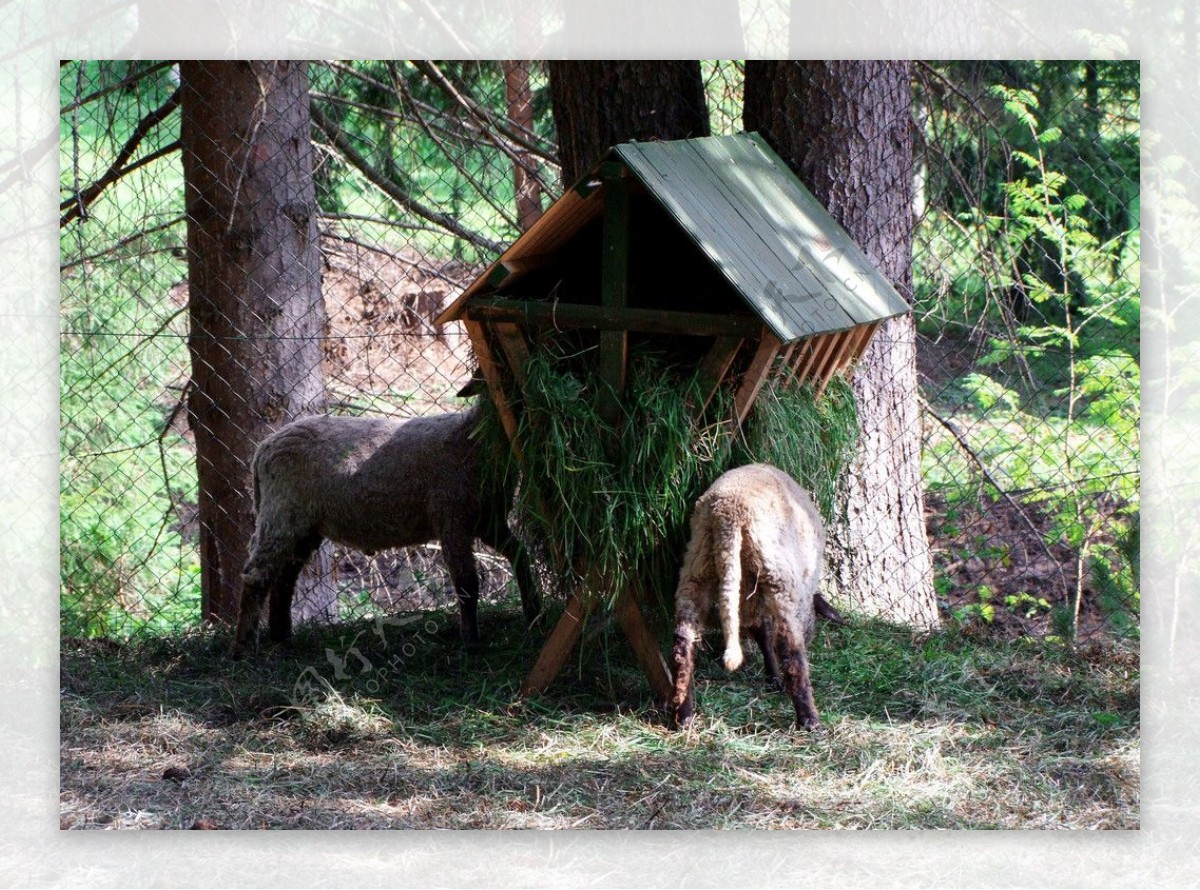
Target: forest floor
pixel 388 724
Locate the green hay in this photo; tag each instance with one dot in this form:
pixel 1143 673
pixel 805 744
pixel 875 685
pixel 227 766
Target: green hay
pixel 610 526
pixel 603 524
pixel 811 438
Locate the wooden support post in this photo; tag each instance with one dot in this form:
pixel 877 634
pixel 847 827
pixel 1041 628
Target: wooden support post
pixel 558 646
pixel 714 367
pixel 645 646
pixel 512 344
pixel 491 374
pixel 756 374
pixel 614 290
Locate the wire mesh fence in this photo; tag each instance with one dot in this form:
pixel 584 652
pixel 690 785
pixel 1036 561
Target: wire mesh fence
pixel 1025 292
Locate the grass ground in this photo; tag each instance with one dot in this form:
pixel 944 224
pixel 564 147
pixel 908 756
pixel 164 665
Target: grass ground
pixel 391 726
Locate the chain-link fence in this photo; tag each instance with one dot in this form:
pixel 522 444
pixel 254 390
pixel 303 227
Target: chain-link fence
pixel 1025 289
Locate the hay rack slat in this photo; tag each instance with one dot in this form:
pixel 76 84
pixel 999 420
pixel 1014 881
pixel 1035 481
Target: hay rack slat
pixel 710 248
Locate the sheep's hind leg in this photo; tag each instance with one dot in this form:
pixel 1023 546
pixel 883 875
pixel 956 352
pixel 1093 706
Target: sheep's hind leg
pixel 683 658
pixel 279 618
pixel 691 603
pixel 763 634
pixel 793 659
pixel 460 560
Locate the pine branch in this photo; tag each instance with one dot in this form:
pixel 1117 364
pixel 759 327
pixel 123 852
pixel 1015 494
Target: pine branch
pixel 393 191
pixel 127 81
pixel 76 206
pixel 484 116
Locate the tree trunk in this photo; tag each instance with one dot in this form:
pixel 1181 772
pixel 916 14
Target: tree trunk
pixel 255 304
pixel 519 100
pixel 598 104
pixel 845 128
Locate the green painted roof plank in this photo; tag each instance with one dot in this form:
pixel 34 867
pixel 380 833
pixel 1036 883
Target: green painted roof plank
pixel 796 289
pixel 797 232
pixel 686 187
pixel 678 188
pixel 865 292
pixel 770 237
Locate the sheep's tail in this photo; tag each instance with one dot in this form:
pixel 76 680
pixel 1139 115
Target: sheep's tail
pixel 727 557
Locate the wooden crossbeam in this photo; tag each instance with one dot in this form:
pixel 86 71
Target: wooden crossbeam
pixel 542 313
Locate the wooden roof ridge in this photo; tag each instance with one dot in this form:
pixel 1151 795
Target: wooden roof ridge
pixel 747 212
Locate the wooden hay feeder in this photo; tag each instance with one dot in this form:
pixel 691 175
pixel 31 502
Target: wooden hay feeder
pixel 711 248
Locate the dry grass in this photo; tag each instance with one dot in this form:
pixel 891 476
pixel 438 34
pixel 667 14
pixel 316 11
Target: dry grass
pixel 949 733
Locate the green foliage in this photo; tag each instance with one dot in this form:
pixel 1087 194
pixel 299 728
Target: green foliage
pixel 125 567
pixel 724 80
pixel 1043 267
pixel 1026 604
pixel 1116 576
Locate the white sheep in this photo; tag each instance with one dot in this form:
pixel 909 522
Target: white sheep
pixel 755 554
pixel 372 484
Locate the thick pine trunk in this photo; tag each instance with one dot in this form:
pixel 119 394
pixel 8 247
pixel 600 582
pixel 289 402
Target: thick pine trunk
pixel 256 311
pixel 519 99
pixel 598 104
pixel 845 128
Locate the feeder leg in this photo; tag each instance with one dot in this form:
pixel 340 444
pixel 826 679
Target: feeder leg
pixel 558 647
pixel 645 646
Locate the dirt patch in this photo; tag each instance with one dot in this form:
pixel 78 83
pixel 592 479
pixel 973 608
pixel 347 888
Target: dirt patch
pixel 992 553
pixel 383 352
pixel 943 360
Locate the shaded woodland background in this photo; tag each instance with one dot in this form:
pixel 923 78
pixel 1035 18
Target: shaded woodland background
pixel 1025 263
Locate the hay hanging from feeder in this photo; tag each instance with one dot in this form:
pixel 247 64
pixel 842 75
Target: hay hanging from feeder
pixel 613 526
pixel 604 524
pixel 813 438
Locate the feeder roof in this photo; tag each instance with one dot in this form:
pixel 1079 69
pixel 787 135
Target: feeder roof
pixel 799 271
